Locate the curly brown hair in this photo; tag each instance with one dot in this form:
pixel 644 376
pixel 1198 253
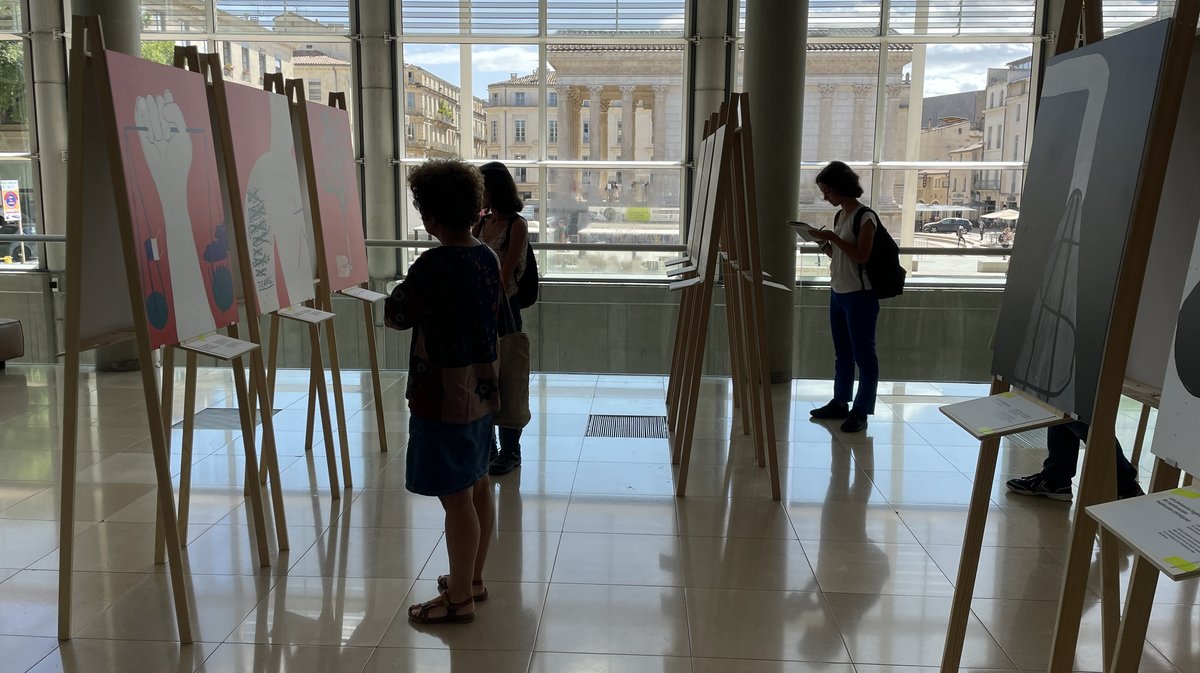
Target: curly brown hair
pixel 449 191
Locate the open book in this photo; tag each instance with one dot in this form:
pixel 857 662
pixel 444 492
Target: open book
pixel 805 231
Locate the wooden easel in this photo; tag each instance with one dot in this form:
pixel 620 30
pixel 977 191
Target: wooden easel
pixel 746 307
pixel 1125 633
pixel 1097 481
pixel 724 221
pixel 209 66
pixel 1098 476
pixel 109 230
pixel 324 299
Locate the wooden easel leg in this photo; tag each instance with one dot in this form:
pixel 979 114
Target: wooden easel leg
pixel 1139 439
pixel 691 391
pixel 189 438
pixel 168 390
pixel 166 502
pixel 1110 593
pixel 377 385
pixel 322 396
pixel 167 386
pixel 252 481
pixel 316 382
pixel 1139 596
pixel 273 360
pixel 70 437
pixel 968 566
pixel 1097 484
pixel 339 401
pixel 270 453
pixel 676 356
pixel 690 338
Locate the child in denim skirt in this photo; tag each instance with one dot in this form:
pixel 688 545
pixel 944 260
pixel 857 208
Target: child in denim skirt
pixel 450 298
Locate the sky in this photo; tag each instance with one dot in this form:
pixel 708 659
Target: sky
pixel 950 68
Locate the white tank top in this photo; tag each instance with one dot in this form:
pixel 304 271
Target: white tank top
pixel 844 273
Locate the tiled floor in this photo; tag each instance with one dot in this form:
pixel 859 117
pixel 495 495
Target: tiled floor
pixel 596 567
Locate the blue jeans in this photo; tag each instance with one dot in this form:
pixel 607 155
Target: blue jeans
pixel 852 319
pixel 1062 441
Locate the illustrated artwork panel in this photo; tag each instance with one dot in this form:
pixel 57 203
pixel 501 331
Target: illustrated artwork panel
pixel 337 196
pixel 1092 127
pixel 1178 422
pixel 174 191
pixel 278 231
pixel 1171 249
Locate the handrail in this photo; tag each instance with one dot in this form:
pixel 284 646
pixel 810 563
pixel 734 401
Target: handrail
pixel 601 247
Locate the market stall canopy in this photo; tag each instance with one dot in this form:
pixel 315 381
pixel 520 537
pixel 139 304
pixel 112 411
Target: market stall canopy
pixel 1002 215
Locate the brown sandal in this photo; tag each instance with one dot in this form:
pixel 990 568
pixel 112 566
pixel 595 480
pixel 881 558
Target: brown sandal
pixel 419 613
pixel 443 585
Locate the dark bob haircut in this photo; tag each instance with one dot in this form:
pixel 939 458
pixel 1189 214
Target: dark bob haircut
pixel 501 188
pixel 449 191
pixel 840 178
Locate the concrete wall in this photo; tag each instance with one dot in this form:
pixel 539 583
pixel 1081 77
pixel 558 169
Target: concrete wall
pixel 926 334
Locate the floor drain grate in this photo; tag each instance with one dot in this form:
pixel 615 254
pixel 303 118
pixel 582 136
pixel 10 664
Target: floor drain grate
pixel 649 427
pixel 219 418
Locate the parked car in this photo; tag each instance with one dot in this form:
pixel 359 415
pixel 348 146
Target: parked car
pixel 13 248
pixel 947 225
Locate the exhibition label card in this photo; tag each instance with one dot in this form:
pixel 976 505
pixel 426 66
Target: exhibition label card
pixel 1164 527
pixel 1002 414
pixel 364 294
pixel 305 314
pixel 218 346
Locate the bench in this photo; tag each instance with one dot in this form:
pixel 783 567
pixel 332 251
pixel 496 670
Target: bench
pixel 12 340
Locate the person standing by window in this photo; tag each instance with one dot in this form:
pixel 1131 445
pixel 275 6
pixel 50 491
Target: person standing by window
pixel 505 231
pixel 853 306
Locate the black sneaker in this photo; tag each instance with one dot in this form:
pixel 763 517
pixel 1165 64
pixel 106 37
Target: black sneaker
pixel 504 463
pixel 855 422
pixel 830 411
pixel 1133 491
pixel 1036 484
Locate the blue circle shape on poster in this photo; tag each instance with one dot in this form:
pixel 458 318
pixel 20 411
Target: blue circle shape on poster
pixel 156 310
pixel 222 287
pixel 10 199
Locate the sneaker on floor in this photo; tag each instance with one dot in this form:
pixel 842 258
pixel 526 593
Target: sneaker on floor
pixel 1133 491
pixel 833 410
pixel 504 463
pixel 856 421
pixel 1036 484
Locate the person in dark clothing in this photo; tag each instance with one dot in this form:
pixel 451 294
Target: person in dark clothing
pixel 1054 481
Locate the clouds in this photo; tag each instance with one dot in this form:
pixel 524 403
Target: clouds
pixel 489 62
pixel 953 68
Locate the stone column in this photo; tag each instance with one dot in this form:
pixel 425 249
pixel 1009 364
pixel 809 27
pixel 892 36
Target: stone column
pixel 595 140
pixel 605 143
pixel 627 125
pixel 376 113
pixel 860 130
pixel 660 121
pixel 563 119
pixel 122 24
pixel 776 40
pixel 887 184
pixel 825 123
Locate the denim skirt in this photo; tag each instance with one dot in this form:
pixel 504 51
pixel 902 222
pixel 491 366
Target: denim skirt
pixel 445 458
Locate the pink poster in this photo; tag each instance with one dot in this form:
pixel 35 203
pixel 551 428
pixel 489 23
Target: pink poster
pixel 279 236
pixel 174 192
pixel 337 196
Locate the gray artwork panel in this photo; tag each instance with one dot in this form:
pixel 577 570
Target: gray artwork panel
pixel 1090 135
